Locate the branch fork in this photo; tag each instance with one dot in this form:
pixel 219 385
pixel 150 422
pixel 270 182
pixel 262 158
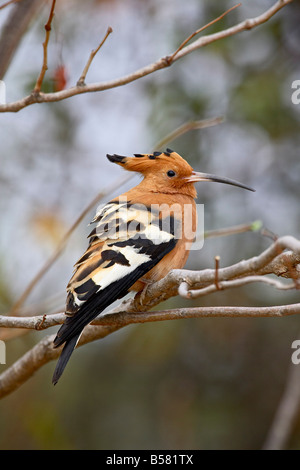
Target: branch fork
pixel 188 284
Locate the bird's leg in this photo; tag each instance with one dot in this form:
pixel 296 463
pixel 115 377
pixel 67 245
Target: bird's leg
pixel 142 293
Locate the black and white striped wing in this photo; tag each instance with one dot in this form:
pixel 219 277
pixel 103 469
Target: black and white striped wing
pixel 128 240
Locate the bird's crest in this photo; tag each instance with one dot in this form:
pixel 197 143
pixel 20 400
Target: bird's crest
pixel 145 163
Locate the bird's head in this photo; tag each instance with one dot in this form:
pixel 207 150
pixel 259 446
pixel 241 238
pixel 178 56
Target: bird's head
pixel 167 172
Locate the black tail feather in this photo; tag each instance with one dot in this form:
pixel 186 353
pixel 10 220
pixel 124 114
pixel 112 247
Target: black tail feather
pixel 64 358
pixel 73 326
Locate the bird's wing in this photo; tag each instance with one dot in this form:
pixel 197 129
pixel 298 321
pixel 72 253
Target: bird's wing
pixel 128 240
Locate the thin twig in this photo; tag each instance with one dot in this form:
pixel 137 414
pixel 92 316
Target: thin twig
pixel 41 76
pixel 162 63
pixel 191 36
pixel 238 283
pixel 223 232
pixel 269 234
pixel 8 3
pixel 13 377
pixel 81 81
pixel 287 412
pixel 186 127
pixel 12 30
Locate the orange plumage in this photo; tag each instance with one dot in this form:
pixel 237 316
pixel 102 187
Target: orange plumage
pixel 138 238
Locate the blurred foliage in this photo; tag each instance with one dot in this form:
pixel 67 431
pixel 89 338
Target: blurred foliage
pixel 207 384
pixel 248 105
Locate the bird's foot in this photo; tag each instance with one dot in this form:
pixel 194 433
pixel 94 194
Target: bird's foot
pixel 142 294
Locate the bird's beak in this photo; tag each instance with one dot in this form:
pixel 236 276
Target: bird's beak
pixel 196 176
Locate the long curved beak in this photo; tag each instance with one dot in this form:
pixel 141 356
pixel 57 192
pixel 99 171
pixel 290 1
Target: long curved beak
pixel 196 176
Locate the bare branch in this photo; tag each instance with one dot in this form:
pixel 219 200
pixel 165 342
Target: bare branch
pixel 124 317
pixel 168 287
pixel 136 310
pixel 172 57
pixel 184 283
pixel 186 127
pixel 81 81
pixel 274 260
pixel 191 294
pixel 41 76
pixel 147 70
pixel 13 377
pixel 6 4
pixel 12 32
pixel 223 232
pixel 286 265
pixel 287 412
pixel 44 352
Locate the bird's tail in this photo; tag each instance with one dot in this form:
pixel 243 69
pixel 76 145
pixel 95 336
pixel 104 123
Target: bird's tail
pixel 64 358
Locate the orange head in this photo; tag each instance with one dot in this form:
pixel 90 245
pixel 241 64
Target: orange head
pixel 167 172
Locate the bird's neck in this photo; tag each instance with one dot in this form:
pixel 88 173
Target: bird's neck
pixel 151 188
pixel 138 195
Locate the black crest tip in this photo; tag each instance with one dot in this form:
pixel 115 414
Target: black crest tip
pixel 116 158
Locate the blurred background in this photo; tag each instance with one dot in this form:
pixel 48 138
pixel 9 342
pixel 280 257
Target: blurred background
pixel 189 384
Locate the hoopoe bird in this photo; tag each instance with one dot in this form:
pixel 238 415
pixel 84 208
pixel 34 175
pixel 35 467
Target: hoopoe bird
pixel 137 239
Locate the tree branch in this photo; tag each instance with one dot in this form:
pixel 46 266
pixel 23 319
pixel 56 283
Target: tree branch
pixel 286 264
pixel 135 310
pixel 147 70
pixel 22 14
pixel 41 76
pixel 6 4
pixel 172 57
pixel 190 284
pixel 186 127
pixel 44 352
pixel 287 412
pixel 13 377
pixel 81 81
pixel 124 317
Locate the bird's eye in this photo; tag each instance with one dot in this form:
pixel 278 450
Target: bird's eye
pixel 171 173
